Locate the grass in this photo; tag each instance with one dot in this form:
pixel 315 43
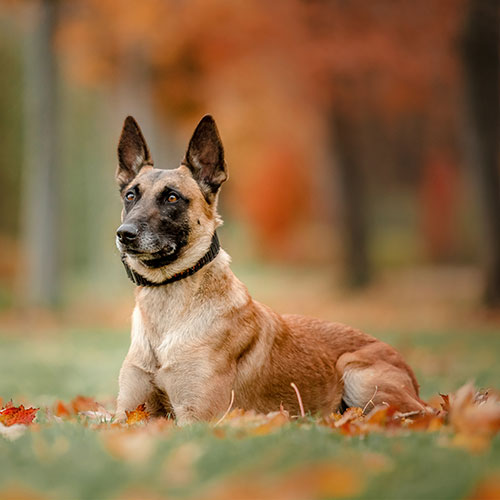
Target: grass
pixel 72 460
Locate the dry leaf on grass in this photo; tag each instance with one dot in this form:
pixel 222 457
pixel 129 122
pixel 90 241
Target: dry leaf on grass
pixel 61 410
pixel 83 403
pixel 138 415
pixel 11 415
pixel 349 415
pixel 475 417
pixel 83 406
pixel 252 423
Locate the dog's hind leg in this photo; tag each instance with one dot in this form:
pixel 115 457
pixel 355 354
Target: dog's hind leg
pixel 377 374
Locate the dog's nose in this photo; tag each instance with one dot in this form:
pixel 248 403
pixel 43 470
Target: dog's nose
pixel 127 233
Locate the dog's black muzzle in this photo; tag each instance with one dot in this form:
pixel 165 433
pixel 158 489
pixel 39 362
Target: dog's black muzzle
pixel 127 233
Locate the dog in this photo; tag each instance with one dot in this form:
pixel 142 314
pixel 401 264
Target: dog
pixel 199 341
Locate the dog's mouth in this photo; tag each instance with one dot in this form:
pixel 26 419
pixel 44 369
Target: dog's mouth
pixel 154 259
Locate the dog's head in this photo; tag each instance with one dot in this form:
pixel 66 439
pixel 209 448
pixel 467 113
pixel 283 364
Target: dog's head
pixel 168 216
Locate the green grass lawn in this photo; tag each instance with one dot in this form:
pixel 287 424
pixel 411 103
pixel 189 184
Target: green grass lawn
pixel 72 460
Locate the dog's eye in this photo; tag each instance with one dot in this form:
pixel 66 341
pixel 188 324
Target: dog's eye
pixel 172 198
pixel 130 196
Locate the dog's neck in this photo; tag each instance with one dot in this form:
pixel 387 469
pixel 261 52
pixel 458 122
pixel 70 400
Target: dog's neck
pixel 140 280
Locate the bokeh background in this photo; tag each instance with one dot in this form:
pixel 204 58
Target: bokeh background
pixel 361 138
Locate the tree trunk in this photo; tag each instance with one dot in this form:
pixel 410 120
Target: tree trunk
pixel 482 69
pixel 353 199
pixel 41 279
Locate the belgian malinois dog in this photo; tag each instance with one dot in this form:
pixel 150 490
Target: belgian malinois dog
pixel 198 338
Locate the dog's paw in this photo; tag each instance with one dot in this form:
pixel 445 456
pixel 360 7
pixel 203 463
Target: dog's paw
pixel 184 420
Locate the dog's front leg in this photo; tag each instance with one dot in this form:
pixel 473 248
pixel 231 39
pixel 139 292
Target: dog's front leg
pixel 135 388
pixel 196 395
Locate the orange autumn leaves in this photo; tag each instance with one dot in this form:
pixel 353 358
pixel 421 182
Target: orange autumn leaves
pixel 138 415
pixel 467 418
pixel 11 415
pixel 89 407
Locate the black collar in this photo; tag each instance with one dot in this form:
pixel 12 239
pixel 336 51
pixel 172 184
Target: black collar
pixel 139 280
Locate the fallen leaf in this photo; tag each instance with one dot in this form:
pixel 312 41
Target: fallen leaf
pixel 378 415
pixel 349 414
pixel 83 403
pixel 272 422
pixel 424 422
pixel 11 415
pixel 445 403
pixel 138 415
pixel 61 410
pixel 475 420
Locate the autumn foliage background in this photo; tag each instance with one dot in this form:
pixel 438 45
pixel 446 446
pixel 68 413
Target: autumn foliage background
pixel 346 130
pixel 362 145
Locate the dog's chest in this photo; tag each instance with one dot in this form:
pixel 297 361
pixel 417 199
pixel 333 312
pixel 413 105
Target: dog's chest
pixel 171 326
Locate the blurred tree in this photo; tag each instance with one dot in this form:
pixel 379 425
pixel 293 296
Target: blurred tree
pixel 41 279
pixel 482 83
pixel 385 64
pixel 353 197
pixel 11 157
pixel 379 66
pixel 283 78
pixel 438 191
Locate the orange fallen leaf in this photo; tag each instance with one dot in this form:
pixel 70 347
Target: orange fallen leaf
pixel 138 415
pixel 425 422
pixel 379 415
pixel 474 419
pixel 470 415
pixel 349 415
pixel 61 410
pixel 11 415
pixel 272 422
pixel 445 404
pixel 83 403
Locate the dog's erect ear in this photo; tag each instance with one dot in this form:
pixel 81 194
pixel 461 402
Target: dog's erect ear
pixel 133 152
pixel 205 158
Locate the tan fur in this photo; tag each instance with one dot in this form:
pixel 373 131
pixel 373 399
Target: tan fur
pixel 196 340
